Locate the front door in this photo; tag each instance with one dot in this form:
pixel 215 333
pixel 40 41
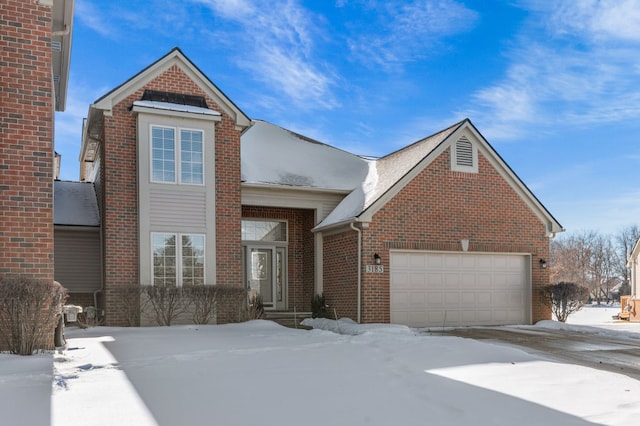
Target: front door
pixel 265 275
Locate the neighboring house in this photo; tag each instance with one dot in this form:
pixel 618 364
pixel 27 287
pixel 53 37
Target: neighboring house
pixel 192 191
pixel 77 247
pixel 35 48
pixel 633 302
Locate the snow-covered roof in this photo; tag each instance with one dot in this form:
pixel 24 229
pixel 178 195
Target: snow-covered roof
pixel 272 155
pixel 276 156
pixel 384 173
pixel 168 106
pixel 75 203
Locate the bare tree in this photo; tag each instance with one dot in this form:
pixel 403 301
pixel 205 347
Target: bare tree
pixel 571 258
pixel 588 259
pixel 602 268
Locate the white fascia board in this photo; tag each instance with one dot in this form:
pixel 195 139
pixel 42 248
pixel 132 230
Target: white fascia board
pixel 288 197
pixel 183 111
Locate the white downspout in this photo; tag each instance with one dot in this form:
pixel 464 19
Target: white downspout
pixel 359 268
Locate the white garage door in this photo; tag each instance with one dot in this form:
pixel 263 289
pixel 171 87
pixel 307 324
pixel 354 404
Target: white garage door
pixel 458 289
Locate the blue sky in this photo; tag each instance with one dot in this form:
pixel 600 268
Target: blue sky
pixel 554 86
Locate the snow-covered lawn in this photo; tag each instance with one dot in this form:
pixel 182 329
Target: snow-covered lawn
pixel 261 373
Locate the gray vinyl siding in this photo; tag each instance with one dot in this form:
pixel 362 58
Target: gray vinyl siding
pixel 177 207
pixel 77 259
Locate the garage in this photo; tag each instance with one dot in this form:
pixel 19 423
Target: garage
pixel 435 289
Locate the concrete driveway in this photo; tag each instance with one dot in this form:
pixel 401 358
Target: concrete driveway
pixel 604 352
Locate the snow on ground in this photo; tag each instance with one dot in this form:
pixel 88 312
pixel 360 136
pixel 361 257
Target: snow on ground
pixel 340 373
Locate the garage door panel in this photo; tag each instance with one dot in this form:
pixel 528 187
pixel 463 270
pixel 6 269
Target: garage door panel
pixel 452 262
pixel 484 299
pixel 434 299
pixel 467 280
pixel 468 299
pixel 399 300
pixel 451 299
pixel 417 262
pixel 417 299
pixel 454 289
pixel 433 280
pixel 451 280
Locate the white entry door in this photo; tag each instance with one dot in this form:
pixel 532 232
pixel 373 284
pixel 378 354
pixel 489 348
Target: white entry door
pixel 433 289
pixel 265 274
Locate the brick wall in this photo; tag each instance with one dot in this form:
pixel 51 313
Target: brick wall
pixel 435 211
pixel 439 208
pixel 26 140
pixel 300 253
pixel 340 274
pixel 119 189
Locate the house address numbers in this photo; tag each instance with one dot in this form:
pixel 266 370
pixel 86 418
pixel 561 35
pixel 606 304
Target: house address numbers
pixel 374 269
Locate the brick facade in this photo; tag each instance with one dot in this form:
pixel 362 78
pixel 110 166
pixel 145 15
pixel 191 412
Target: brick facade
pixel 26 140
pixel 340 274
pixel 300 252
pixel 434 211
pixel 119 189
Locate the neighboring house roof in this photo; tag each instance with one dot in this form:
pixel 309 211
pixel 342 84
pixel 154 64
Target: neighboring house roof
pixel 275 156
pixel 75 204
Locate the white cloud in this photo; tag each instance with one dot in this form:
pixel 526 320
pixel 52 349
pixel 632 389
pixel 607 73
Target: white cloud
pixel 403 31
pixel 89 15
pixel 596 20
pixel 275 43
pixel 577 72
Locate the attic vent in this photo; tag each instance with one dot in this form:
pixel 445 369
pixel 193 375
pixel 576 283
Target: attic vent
pixel 174 98
pixel 56 46
pixel 464 152
pixel 464 156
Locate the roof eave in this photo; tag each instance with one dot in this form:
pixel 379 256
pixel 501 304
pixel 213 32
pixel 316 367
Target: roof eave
pixel 62 30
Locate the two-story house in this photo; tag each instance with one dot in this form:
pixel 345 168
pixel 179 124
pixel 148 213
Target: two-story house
pixel 190 190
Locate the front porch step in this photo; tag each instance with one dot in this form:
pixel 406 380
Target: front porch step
pixel 288 319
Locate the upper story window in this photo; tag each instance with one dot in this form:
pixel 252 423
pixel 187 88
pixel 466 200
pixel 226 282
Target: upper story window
pixel 464 156
pixel 177 155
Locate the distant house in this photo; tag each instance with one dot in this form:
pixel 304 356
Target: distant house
pixel 192 191
pixel 633 302
pixel 77 244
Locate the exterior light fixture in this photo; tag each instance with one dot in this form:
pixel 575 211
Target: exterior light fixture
pixel 465 244
pixel 377 258
pixel 543 263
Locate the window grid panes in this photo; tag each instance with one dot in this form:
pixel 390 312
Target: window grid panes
pixel 164 260
pixel 163 154
pixel 262 230
pixel 191 156
pixel 177 265
pixel 192 259
pixel 167 154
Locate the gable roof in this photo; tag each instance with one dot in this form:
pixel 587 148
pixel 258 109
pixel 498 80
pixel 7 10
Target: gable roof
pixel 174 57
pixel 75 204
pixel 92 130
pixel 390 174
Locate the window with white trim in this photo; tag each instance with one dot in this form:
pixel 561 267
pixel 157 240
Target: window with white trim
pixel 177 161
pixel 178 259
